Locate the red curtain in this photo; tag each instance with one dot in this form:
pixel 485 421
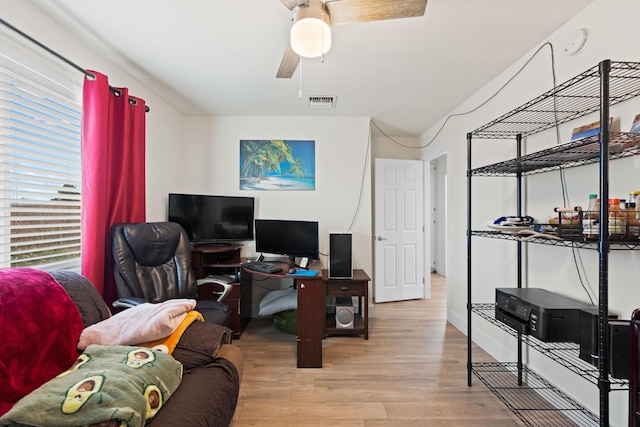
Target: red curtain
pixel 113 174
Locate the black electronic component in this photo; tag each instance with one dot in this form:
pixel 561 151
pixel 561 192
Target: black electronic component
pixel 546 315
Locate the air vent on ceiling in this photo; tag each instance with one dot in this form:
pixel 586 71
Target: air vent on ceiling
pixel 322 102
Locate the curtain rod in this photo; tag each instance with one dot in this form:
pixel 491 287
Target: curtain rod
pixel 62 58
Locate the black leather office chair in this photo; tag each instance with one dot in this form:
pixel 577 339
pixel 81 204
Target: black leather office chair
pixel 152 263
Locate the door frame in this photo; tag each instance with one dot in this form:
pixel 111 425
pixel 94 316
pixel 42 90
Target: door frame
pixel 438 171
pixel 430 189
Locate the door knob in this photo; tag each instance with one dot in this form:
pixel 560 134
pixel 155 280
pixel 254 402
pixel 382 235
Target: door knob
pixel 380 238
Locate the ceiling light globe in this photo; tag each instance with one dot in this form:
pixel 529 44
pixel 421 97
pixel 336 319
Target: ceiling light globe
pixel 311 30
pixel 310 37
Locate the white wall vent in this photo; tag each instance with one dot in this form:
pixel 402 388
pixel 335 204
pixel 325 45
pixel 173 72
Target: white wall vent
pixel 322 102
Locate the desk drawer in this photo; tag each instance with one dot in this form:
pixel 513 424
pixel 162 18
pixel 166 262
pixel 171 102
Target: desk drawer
pixel 346 288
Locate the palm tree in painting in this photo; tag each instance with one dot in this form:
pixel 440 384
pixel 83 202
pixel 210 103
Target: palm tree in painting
pixel 295 168
pixel 261 158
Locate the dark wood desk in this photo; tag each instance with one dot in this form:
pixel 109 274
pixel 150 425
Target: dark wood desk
pixel 311 312
pixel 312 321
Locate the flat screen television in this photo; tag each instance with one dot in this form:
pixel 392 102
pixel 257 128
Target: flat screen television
pixel 287 237
pixel 209 219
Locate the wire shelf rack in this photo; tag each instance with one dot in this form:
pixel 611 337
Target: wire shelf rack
pixel 536 402
pixel 580 152
pixel 577 242
pixel 572 99
pixel 564 353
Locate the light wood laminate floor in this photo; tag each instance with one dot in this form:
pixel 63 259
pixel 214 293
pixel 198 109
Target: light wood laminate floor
pixel 411 372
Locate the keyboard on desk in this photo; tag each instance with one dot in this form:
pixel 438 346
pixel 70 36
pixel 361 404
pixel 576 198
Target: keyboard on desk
pixel 262 267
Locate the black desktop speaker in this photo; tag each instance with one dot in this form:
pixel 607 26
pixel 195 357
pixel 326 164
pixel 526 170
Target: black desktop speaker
pixel 588 336
pixel 618 342
pixel 619 334
pixel 340 255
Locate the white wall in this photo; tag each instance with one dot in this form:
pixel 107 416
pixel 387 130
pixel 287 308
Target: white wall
pixel 343 172
pixel 396 147
pixel 551 267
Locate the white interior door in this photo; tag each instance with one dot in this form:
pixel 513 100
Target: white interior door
pixel 399 230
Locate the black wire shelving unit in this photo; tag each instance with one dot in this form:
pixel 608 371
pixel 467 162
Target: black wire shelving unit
pixel 594 90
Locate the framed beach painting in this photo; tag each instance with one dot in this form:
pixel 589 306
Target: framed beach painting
pixel 277 164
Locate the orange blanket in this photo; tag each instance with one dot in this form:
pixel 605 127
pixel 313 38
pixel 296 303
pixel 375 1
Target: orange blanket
pixel 167 344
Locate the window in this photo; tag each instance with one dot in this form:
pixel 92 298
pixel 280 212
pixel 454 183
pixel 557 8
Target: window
pixel 40 174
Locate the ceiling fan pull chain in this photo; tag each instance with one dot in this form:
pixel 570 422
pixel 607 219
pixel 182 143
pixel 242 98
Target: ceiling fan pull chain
pixel 300 87
pixel 322 40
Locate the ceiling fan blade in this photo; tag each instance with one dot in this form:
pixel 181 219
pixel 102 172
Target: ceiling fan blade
pixel 289 63
pixel 354 11
pixel 290 4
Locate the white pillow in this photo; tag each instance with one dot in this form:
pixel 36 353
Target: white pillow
pixel 277 301
pixel 139 324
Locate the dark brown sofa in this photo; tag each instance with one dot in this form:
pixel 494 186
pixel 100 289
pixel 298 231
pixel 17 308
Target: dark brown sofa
pixel 212 366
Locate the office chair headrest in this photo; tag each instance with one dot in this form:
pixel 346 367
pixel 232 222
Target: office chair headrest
pixel 152 244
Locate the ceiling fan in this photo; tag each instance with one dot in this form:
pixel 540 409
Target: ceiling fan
pixel 336 12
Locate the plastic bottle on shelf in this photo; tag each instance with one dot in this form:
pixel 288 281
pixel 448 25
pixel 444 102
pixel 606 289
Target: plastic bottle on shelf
pixel 633 225
pixel 638 219
pixel 617 220
pixel 591 219
pixel 634 196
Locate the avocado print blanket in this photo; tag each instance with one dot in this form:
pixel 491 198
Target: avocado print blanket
pixel 108 385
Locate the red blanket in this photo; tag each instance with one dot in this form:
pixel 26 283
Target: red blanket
pixel 39 330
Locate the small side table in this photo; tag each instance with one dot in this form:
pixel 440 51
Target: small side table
pixel 357 286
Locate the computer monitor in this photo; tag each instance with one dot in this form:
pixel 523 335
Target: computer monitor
pixel 287 237
pixel 210 219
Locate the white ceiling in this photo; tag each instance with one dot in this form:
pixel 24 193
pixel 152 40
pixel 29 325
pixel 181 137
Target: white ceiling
pixel 214 57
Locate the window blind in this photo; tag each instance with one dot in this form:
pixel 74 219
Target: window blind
pixel 40 173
